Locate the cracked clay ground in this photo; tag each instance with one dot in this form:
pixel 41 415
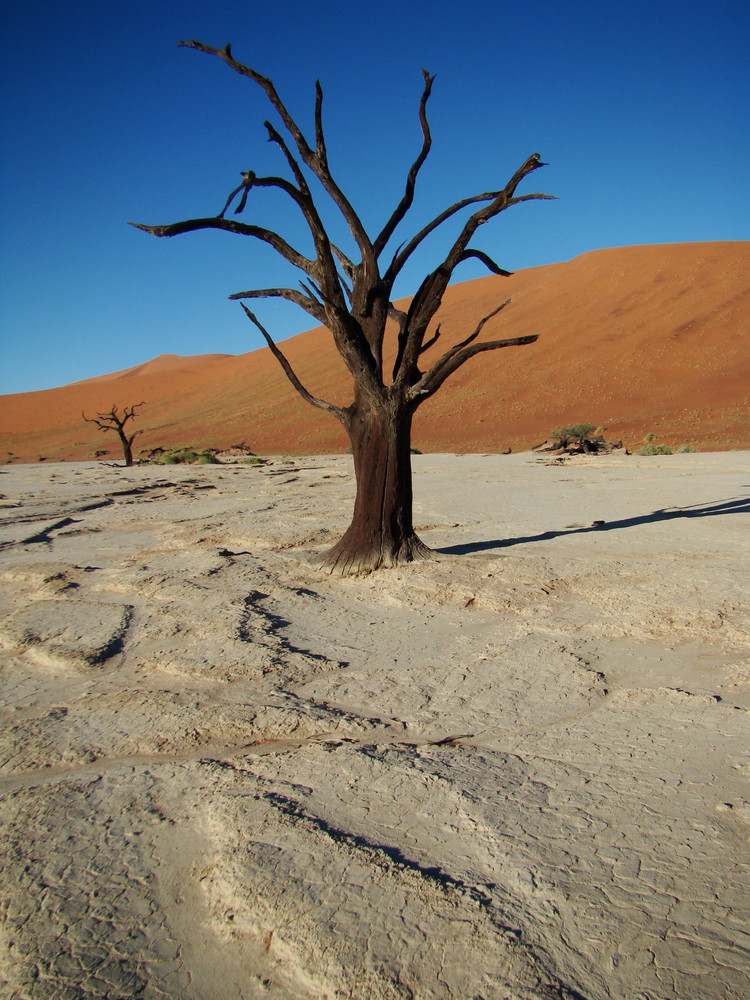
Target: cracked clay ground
pixel 517 771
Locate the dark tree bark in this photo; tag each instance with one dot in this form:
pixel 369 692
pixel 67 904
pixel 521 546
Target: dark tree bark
pixel 352 298
pixel 113 421
pixel 381 532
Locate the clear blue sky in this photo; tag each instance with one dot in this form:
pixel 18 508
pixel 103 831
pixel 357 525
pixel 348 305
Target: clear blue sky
pixel 640 109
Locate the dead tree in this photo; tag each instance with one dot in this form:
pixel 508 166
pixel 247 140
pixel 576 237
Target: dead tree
pixel 112 421
pixel 352 298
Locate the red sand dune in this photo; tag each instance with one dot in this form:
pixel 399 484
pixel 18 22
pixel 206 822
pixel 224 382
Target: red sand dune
pixel 637 339
pixel 165 364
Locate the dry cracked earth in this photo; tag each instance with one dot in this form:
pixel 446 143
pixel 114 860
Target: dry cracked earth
pixel 517 771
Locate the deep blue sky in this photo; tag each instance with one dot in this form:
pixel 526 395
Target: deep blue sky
pixel 640 109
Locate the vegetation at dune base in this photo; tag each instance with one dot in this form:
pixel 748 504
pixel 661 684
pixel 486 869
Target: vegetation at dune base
pixel 348 288
pixel 186 456
pixel 579 439
pixel 589 440
pixel 578 433
pixel 174 456
pixel 650 448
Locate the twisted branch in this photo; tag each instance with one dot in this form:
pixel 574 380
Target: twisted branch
pixel 427 387
pixel 307 302
pixel 230 226
pixel 316 160
pixel 405 203
pixel 321 404
pixel 459 354
pixel 426 302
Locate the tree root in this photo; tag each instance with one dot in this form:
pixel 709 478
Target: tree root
pixel 345 559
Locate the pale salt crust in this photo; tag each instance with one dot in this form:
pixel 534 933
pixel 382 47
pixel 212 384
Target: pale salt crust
pixel 519 770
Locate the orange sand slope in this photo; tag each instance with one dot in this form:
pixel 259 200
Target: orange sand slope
pixel 637 339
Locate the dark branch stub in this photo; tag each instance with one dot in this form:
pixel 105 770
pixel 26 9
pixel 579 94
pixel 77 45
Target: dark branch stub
pixel 353 299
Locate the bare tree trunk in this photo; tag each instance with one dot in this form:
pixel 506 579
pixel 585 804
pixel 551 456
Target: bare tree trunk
pixel 127 448
pixel 381 532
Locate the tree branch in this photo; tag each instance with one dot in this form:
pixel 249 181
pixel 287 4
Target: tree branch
pixel 326 251
pixel 316 296
pixel 275 136
pixel 320 142
pixel 404 253
pixel 247 182
pixel 321 404
pixel 346 265
pixel 431 382
pixel 486 260
pixel 316 160
pixel 111 421
pixel 433 340
pixel 401 257
pixel 306 302
pixel 408 198
pixel 277 182
pixel 267 86
pixel 229 225
pixel 446 358
pixel 504 199
pixel 397 315
pixel 427 301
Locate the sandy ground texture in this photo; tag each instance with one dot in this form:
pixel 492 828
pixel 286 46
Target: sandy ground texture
pixel 519 770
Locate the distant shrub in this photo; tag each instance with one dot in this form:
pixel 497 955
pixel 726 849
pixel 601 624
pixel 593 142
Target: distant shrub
pixel 415 451
pixel 579 431
pixel 655 449
pixel 253 460
pixel 649 448
pixel 576 438
pixel 186 456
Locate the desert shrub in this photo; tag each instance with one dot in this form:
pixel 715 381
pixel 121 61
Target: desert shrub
pixel 649 438
pixel 655 449
pixel 574 431
pixel 415 451
pixel 186 456
pixel 253 460
pixel 580 437
pixel 684 448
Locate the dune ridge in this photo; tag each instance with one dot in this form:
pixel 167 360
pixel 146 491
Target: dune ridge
pixel 164 364
pixel 637 339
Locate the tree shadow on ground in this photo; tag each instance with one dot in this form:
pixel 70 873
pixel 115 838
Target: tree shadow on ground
pixel 734 506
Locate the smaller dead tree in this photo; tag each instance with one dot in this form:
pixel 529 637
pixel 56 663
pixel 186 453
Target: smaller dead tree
pixel 114 421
